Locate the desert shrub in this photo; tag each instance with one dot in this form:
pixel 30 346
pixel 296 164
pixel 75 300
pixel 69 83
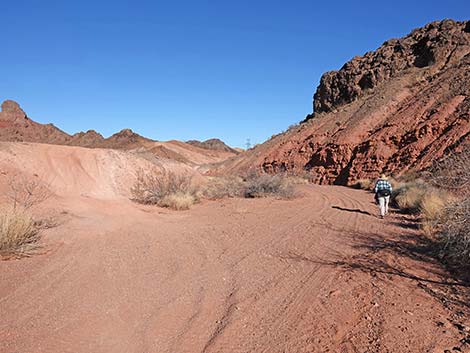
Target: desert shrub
pixel 25 193
pixel 453 233
pixel 451 224
pixel 18 233
pixel 221 187
pixel 420 197
pixel 178 201
pixel 409 196
pixel 452 173
pixel 269 185
pixel 432 207
pixel 151 188
pixel 364 184
pixel 433 203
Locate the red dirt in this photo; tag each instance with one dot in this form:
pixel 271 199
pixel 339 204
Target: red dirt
pixel 319 273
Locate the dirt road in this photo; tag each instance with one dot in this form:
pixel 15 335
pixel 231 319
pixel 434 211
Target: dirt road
pixel 319 273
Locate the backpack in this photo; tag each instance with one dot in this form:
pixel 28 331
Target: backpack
pixel 383 192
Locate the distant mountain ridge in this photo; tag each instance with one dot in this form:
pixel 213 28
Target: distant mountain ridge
pixel 16 126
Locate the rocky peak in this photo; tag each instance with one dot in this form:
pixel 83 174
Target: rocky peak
pixel 212 144
pixel 437 44
pixel 126 134
pixel 11 110
pixel 89 133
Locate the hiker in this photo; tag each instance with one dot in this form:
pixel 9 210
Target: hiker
pixel 383 190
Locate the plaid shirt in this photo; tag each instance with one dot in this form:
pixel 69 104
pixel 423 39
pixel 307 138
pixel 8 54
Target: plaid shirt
pixel 382 184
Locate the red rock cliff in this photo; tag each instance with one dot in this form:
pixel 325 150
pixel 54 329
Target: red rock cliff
pixel 392 110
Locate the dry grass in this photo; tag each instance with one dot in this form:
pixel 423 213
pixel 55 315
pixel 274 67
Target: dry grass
pixel 222 187
pixel 269 185
pixel 18 233
pixel 419 197
pixel 178 201
pixel 252 186
pixel 444 204
pixel 409 199
pixel 453 233
pixel 450 224
pixel 166 189
pixel 433 203
pixel 161 188
pixel 432 207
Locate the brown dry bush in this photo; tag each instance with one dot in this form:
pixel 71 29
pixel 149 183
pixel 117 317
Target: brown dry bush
pixel 434 202
pixel 269 185
pixel 452 173
pixel 221 187
pixel 453 233
pixel 18 233
pixel 408 196
pixel 452 225
pixel 25 193
pixel 163 188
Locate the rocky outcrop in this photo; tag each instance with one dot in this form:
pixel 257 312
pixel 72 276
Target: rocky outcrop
pixel 15 126
pixel 213 144
pixel 438 44
pixel 393 110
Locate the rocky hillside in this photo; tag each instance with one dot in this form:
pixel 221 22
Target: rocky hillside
pixel 392 110
pixel 213 144
pixel 15 126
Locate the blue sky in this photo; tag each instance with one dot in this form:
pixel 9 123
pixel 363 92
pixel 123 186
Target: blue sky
pixel 189 69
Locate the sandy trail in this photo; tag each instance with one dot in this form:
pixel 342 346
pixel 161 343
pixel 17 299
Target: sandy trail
pixel 315 274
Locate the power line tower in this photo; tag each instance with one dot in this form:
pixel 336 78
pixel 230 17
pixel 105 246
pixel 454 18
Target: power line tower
pixel 248 144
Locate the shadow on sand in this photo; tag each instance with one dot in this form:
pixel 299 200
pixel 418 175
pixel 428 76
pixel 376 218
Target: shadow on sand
pixel 450 287
pixel 354 210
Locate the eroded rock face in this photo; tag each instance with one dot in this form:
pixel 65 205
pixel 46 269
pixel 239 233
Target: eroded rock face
pixel 437 44
pixel 393 110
